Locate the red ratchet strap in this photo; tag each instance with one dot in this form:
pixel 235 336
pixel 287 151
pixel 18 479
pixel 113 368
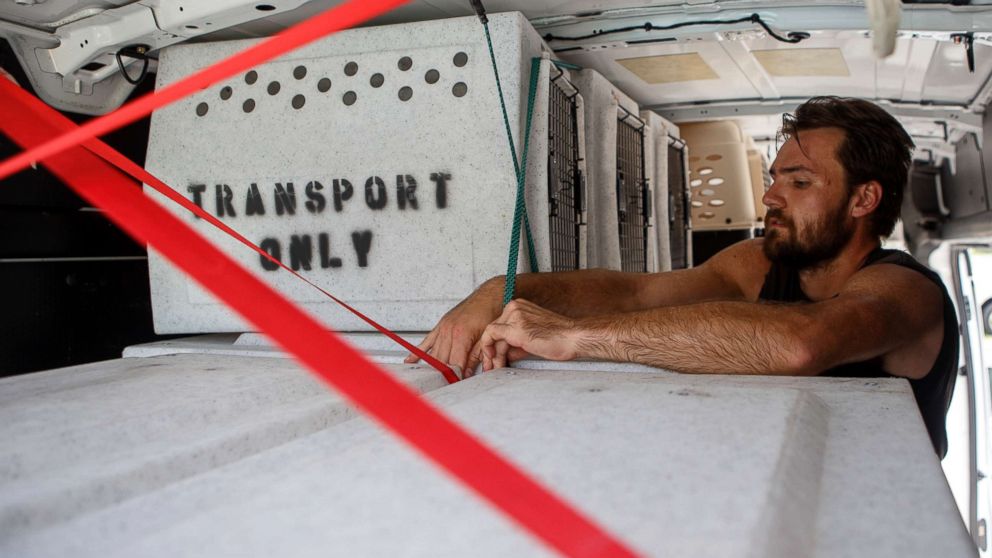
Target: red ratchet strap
pixel 61 123
pixel 337 18
pixel 361 381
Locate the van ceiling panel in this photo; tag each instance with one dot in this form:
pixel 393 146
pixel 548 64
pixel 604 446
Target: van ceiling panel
pixel 865 75
pixel 730 82
pixel 802 62
pixel 947 78
pixel 754 66
pixel 669 68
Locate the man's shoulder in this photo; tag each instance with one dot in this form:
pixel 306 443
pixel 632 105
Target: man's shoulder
pixel 909 300
pixel 896 276
pixel 904 260
pixel 750 251
pixel 745 264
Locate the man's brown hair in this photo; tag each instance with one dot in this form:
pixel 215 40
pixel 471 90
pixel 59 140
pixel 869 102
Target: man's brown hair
pixel 875 147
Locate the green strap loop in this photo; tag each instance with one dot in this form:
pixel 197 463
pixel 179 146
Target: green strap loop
pixel 520 211
pixel 519 168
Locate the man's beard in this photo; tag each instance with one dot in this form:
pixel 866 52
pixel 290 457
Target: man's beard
pixel 822 240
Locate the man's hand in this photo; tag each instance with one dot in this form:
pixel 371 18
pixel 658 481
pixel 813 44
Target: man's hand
pixel 455 338
pixel 526 328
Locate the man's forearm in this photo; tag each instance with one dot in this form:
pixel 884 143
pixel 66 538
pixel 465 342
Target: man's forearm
pixel 712 337
pixel 575 294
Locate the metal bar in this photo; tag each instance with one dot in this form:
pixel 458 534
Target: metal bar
pixel 16 28
pixel 628 114
pixel 561 75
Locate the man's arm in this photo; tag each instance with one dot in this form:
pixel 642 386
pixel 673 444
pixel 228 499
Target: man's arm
pixel 586 293
pixel 884 310
pixel 593 292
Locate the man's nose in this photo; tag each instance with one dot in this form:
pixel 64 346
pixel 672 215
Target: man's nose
pixel 772 198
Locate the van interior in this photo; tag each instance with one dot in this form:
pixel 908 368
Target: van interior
pixel 699 88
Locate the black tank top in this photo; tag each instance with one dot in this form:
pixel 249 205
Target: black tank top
pixel 933 391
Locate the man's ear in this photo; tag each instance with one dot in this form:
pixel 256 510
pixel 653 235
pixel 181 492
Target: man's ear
pixel 866 198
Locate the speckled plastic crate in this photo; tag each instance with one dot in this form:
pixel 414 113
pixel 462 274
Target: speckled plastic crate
pixel 374 161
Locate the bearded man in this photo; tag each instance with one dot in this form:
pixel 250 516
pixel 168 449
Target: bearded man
pixel 817 295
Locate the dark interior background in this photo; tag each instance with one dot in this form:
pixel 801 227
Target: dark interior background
pixel 73 288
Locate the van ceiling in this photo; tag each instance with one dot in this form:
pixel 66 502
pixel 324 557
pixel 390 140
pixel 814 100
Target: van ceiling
pixel 733 66
pixel 691 72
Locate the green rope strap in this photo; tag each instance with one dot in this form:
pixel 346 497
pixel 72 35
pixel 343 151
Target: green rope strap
pixel 520 211
pixel 519 168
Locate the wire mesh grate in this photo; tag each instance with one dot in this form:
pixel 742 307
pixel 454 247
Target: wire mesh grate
pixel 678 210
pixel 564 179
pixel 632 194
